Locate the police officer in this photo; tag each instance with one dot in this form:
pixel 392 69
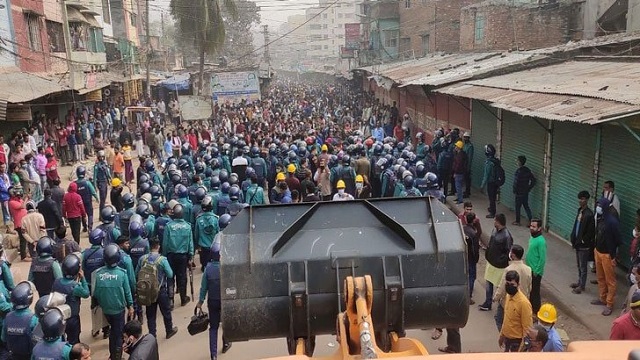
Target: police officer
pixel 433 187
pixel 20 323
pixel 223 198
pixel 182 196
pixel 259 165
pixel 92 260
pixel 178 248
pixel 52 346
pixel 206 229
pixel 112 232
pixel 409 189
pixel 255 192
pixel 162 221
pixel 101 177
pixel 148 221
pixel 235 206
pixel 74 286
pixel 138 245
pixel 122 219
pixel 126 263
pixel 6 276
pixel 44 269
pixel 210 287
pixel 165 275
pixel 112 290
pixel 199 195
pixel 86 192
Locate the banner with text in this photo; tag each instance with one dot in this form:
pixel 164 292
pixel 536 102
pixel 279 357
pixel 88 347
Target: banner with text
pixel 235 86
pixel 352 36
pixel 195 107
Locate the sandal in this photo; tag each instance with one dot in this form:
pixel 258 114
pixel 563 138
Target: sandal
pixel 447 350
pixel 437 333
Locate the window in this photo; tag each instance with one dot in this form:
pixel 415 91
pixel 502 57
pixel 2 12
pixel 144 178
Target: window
pixel 425 45
pixel 479 28
pixel 133 19
pixel 405 43
pixel 96 43
pixel 315 27
pixel 326 36
pixel 326 47
pixel 407 4
pixel 33 30
pixel 56 36
pixel 340 15
pixel 324 26
pixel 390 38
pixel 348 16
pixel 324 16
pixel 106 15
pixel 340 36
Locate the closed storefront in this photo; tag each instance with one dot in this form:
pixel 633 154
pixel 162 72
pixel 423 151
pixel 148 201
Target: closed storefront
pixel 619 163
pixel 571 172
pixel 484 130
pixel 523 136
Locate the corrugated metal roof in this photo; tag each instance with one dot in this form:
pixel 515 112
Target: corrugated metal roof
pixel 546 106
pixel 616 81
pixel 20 87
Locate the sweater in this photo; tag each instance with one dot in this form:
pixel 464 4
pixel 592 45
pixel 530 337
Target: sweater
pixel 536 256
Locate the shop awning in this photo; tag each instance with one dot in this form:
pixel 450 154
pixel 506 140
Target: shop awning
pixel 22 87
pixel 178 82
pixel 556 107
pixel 74 15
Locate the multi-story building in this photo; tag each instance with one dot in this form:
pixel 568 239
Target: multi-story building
pixel 7 45
pixel 290 50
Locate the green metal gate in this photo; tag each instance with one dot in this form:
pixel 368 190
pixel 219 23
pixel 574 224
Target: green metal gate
pixel 484 130
pixel 620 163
pixel 572 157
pixel 523 136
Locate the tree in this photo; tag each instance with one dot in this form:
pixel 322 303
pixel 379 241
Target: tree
pixel 239 39
pixel 202 21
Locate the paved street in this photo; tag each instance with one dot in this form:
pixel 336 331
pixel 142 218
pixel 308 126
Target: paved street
pixel 480 334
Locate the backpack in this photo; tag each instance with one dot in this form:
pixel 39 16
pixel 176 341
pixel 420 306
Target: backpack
pixel 148 285
pixel 498 173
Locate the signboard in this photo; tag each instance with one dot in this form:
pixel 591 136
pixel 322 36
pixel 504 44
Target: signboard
pixel 195 107
pixel 235 86
pixel 7 48
pixel 352 36
pixel 19 113
pixel 95 95
pixel 347 53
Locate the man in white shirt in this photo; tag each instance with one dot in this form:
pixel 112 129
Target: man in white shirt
pixel 162 111
pixel 341 195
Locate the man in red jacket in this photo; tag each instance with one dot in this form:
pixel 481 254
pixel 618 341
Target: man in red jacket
pixel 18 209
pixel 73 210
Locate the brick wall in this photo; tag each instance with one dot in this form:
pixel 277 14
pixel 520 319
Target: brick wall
pixel 520 27
pixel 439 19
pixel 30 60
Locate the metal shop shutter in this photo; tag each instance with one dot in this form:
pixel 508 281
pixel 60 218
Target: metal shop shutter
pixel 484 130
pixel 523 136
pixel 572 157
pixel 619 162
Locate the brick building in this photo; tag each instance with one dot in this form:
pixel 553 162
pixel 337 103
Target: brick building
pixel 503 25
pixel 430 26
pixel 32 41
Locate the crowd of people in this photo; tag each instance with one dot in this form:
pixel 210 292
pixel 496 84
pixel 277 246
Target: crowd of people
pixel 301 143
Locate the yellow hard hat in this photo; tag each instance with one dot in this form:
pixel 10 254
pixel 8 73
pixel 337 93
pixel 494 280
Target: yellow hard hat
pixel 291 168
pixel 459 144
pixel 324 147
pixel 548 313
pixel 359 178
pixel 115 182
pixel 341 185
pixel 280 177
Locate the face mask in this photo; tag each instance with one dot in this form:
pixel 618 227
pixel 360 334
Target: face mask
pixel 359 186
pixel 511 289
pixel 599 210
pixel 546 327
pixel 341 191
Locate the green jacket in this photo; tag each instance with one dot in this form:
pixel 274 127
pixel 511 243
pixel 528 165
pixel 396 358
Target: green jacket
pixel 206 229
pixel 82 288
pixel 164 269
pixel 127 265
pixel 7 278
pixel 187 208
pixel 177 238
pixel 255 195
pixel 536 256
pixel 204 284
pixel 468 149
pixel 488 175
pixel 150 227
pixel 66 350
pixel 112 289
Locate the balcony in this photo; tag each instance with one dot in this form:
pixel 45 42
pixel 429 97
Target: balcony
pixel 385 9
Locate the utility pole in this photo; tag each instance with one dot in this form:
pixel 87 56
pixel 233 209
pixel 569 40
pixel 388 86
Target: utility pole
pixel 165 48
pixel 149 47
pixel 265 31
pixel 67 43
